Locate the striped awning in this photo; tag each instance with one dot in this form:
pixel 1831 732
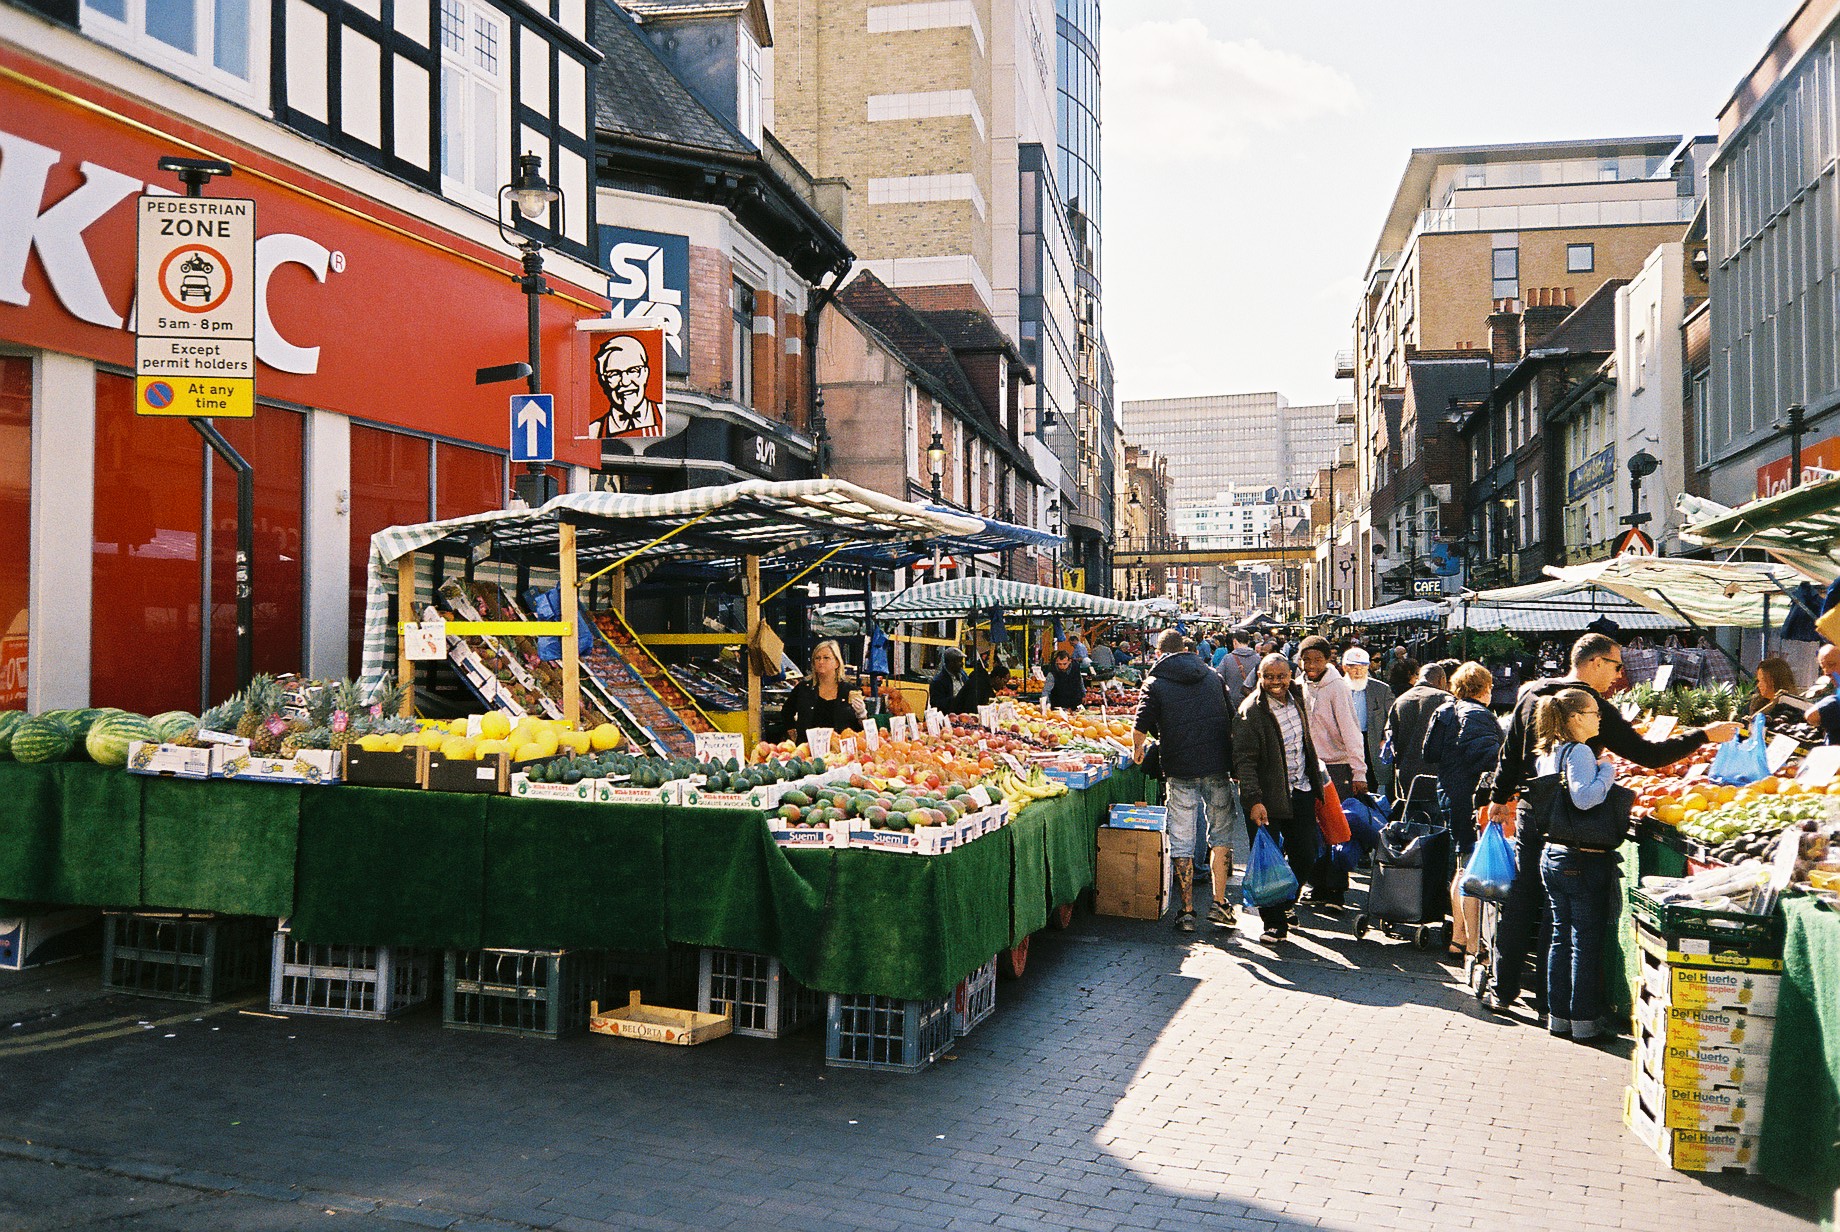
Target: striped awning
pixel 753 518
pixel 1553 607
pixel 963 597
pixel 1398 612
pixel 1707 592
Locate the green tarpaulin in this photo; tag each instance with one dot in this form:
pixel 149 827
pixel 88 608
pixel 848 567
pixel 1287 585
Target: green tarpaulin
pixel 225 847
pixel 569 875
pixel 70 833
pixel 1800 1144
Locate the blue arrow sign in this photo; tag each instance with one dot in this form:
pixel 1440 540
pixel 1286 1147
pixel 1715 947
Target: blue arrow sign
pixel 533 427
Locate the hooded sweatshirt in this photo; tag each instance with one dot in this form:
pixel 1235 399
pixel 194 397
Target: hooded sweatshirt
pixel 1184 704
pixel 1332 723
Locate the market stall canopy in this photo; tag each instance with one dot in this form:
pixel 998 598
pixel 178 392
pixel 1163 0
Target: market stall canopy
pixel 1398 612
pixel 753 518
pixel 962 597
pixel 1256 620
pixel 1800 527
pixel 992 535
pixel 1553 607
pixel 1706 592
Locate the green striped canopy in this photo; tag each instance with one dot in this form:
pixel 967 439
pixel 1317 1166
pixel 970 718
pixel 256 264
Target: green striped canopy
pixel 963 597
pixel 753 518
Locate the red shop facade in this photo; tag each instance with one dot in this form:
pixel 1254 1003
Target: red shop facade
pixel 376 304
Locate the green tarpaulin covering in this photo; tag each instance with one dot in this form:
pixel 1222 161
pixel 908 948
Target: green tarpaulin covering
pixel 1800 1144
pixel 376 866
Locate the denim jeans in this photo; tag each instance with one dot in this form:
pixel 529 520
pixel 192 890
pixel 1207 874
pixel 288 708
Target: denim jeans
pixel 1184 799
pixel 1578 887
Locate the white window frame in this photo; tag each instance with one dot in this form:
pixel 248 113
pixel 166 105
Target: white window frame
pixel 910 424
pixel 748 82
pixel 199 68
pixel 463 63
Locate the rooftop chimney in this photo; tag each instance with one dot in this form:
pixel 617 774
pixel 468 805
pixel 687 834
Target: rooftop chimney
pixel 1547 307
pixel 1505 332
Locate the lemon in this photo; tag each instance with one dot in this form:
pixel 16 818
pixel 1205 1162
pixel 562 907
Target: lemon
pixel 371 744
pixel 489 748
pixel 576 742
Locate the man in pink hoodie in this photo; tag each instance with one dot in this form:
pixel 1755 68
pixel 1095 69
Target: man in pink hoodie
pixel 1339 743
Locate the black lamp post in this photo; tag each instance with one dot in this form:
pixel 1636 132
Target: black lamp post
pixel 935 462
pixel 1641 464
pixel 1797 424
pixel 530 196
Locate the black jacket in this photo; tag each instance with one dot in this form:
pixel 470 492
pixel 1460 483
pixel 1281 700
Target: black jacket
pixel 1462 745
pixel 806 710
pixel 1067 690
pixel 1258 750
pixel 1613 733
pixel 1406 725
pixel 1184 704
pixel 950 693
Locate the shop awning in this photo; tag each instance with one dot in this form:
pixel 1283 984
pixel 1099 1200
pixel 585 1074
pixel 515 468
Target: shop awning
pixel 992 535
pixel 962 597
pixel 1553 607
pixel 753 518
pixel 1744 594
pixel 1800 527
pixel 1398 612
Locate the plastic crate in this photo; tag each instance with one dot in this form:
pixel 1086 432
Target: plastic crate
pixel 1678 920
pixel 184 957
pixel 863 1031
pixel 665 977
pixel 542 993
pixel 975 999
pixel 347 981
pixel 768 1002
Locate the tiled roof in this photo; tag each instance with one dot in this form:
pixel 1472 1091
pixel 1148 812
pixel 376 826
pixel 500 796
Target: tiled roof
pixel 1591 326
pixel 639 95
pixel 968 330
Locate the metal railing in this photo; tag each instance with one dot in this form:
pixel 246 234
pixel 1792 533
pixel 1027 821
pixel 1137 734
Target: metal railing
pixel 1553 214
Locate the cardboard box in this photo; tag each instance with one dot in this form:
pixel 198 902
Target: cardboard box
pixel 585 790
pixel 766 796
pixel 49 936
pixel 1692 1066
pixel 176 761
pixel 919 841
pixel 1689 1150
pixel 1708 1028
pixel 1710 988
pixel 800 836
pixel 1701 1108
pixel 308 768
pixel 408 768
pixel 1138 817
pixel 621 791
pixel 1134 873
pixel 490 775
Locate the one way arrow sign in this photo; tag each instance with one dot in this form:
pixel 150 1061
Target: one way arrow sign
pixel 533 427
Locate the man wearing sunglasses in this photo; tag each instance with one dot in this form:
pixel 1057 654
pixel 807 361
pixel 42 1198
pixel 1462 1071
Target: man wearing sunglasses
pixel 1597 667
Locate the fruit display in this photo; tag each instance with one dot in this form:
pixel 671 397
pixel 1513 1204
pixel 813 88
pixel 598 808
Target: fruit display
pixel 1761 814
pixel 1693 707
pixel 658 695
pixel 1020 791
pixel 877 807
pixel 1802 733
pixel 100 734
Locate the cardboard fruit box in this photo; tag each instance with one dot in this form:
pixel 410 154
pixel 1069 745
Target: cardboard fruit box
pixel 175 761
pixel 659 1024
pixel 307 768
pixel 409 768
pixel 584 790
pixel 622 791
pixel 489 775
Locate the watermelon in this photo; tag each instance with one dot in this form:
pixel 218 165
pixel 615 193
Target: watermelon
pixel 44 738
pixel 110 736
pixel 172 724
pixel 9 722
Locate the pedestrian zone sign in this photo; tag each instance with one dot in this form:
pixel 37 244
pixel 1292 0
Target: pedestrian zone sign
pixel 195 307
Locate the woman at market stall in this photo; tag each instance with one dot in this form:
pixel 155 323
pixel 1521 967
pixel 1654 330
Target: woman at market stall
pixel 1774 678
pixel 1579 880
pixel 824 698
pixel 1461 745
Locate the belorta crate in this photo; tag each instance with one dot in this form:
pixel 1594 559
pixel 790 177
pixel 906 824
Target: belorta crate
pixel 347 981
pixel 539 993
pixel 975 999
pixel 767 1001
pixel 184 956
pixel 1138 817
pixel 864 1031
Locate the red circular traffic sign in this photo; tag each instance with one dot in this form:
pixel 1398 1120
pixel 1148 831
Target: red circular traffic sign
pixel 196 277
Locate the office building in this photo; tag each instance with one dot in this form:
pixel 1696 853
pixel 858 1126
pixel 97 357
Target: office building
pixel 1235 441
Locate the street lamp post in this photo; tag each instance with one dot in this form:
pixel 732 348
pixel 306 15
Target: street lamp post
pixel 530 196
pixel 935 462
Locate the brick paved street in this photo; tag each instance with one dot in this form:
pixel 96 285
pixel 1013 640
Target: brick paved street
pixel 1136 1078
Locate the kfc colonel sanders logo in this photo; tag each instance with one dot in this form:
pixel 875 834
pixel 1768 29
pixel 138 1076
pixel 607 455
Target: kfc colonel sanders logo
pixel 629 365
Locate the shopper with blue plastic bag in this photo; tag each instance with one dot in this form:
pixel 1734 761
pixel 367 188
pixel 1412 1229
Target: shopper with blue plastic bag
pixel 1280 779
pixel 1463 744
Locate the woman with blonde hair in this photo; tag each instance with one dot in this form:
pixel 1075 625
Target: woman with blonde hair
pixel 824 698
pixel 1579 879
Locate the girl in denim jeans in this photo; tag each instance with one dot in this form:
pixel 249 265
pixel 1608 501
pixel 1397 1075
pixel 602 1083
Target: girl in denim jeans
pixel 1579 881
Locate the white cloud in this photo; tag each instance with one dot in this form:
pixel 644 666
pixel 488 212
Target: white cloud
pixel 1174 92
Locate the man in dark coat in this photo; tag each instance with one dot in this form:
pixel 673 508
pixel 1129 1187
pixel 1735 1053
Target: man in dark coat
pixel 1280 778
pixel 1406 727
pixel 1597 661
pixel 1184 704
pixel 951 692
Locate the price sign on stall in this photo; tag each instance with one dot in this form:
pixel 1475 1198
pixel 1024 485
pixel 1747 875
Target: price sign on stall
pixel 1662 727
pixel 819 738
pixel 1820 765
pixel 1664 675
pixel 425 640
pixel 846 747
pixel 720 746
pixel 1781 749
pixel 872 736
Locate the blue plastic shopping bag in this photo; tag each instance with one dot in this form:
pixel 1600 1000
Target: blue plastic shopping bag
pixel 1742 759
pixel 1491 868
pixel 1268 880
pixel 1365 820
pixel 547 605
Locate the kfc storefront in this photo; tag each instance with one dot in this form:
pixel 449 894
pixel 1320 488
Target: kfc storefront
pixel 376 303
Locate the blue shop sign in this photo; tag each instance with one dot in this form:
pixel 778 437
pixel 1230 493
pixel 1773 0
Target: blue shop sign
pixel 1598 471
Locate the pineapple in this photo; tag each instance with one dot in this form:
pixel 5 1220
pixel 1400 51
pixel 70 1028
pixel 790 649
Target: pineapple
pixel 261 704
pixel 304 737
pixel 390 696
pixel 348 719
pixel 222 718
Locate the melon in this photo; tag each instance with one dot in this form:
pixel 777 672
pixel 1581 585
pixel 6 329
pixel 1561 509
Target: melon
pixel 44 738
pixel 110 736
pixel 171 724
pixel 9 722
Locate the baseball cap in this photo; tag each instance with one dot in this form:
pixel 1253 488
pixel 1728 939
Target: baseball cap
pixel 1354 656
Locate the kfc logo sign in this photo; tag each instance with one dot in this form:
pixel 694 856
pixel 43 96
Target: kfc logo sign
pixel 57 233
pixel 649 283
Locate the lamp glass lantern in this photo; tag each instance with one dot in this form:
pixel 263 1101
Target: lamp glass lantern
pixel 935 463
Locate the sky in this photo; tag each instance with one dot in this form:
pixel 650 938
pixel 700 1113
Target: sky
pixel 1250 150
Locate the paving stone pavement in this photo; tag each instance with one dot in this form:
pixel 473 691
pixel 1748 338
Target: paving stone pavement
pixel 1136 1078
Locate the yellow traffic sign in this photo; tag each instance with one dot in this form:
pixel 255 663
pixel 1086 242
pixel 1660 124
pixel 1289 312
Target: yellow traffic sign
pixel 194 397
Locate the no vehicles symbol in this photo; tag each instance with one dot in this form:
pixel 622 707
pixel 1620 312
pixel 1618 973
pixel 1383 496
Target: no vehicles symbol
pixel 195 278
pixel 158 394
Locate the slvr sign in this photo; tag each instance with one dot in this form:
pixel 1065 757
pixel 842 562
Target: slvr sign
pixel 195 348
pixel 649 284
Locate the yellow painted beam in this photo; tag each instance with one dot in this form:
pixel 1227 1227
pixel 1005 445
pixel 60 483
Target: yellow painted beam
pixel 693 639
pixel 507 628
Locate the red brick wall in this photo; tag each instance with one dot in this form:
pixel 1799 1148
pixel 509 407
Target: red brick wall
pixel 710 278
